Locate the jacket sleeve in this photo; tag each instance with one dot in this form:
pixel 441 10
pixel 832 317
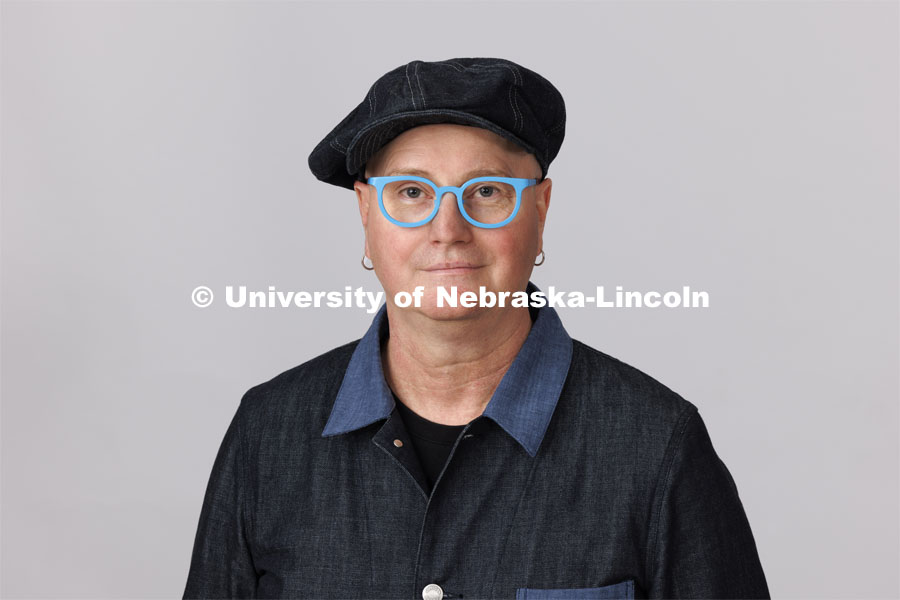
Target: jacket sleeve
pixel 221 562
pixel 701 545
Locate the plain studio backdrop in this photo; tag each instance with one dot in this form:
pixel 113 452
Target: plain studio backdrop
pixel 747 149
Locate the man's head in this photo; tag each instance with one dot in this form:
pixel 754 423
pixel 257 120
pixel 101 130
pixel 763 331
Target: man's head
pixel 449 122
pixel 448 250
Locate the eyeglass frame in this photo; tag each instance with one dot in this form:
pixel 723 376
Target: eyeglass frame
pixel 518 183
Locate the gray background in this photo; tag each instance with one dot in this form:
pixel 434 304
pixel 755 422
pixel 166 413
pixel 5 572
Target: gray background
pixel 749 149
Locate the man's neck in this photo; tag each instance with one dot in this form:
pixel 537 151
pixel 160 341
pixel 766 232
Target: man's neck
pixel 447 371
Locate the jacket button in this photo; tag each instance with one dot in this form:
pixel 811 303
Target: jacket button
pixel 432 591
pixel 398 443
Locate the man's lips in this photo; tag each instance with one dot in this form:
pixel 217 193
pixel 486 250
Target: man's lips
pixel 452 267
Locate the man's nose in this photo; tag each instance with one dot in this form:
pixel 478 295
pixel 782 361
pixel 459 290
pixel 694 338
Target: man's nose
pixel 448 224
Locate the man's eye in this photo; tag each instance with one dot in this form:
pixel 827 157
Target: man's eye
pixel 412 193
pixel 486 191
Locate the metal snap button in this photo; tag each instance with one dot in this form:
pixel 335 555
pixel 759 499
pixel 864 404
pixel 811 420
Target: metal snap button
pixel 398 443
pixel 432 591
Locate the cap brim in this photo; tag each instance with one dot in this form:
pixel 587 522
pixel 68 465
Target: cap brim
pixel 377 134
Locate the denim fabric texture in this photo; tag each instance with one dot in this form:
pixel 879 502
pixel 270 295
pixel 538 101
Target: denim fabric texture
pixel 583 478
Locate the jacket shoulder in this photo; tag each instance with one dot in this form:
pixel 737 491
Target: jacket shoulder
pixel 305 391
pixel 616 386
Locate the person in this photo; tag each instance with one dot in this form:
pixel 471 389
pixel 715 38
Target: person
pixel 465 451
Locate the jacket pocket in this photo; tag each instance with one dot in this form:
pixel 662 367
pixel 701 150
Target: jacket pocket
pixel 623 590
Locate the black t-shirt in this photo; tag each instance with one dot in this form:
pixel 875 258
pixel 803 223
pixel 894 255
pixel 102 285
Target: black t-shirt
pixel 431 440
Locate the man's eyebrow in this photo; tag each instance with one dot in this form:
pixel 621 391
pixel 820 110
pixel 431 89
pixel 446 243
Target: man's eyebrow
pixel 482 172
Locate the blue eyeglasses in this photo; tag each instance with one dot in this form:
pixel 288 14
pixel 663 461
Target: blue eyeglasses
pixel 488 202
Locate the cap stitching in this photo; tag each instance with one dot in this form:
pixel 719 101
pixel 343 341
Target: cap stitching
pixel 368 149
pixel 372 143
pixel 519 82
pixel 362 149
pixel 412 94
pixel 378 142
pixel 355 154
pixel 519 119
pixel 419 83
pixel 338 146
pixel 516 73
pixel 509 99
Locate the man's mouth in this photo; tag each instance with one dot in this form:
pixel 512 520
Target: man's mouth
pixel 452 267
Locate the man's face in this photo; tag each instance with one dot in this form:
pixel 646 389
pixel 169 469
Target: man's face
pixel 449 250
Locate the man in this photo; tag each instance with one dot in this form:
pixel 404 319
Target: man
pixel 465 452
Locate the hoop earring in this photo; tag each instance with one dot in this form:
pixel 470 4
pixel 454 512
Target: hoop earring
pixel 543 256
pixel 365 266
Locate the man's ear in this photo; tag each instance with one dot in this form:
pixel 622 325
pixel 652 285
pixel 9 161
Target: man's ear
pixel 542 202
pixel 362 196
pixel 362 190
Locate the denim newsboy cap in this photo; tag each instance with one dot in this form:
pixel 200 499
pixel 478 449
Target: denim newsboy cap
pixel 493 93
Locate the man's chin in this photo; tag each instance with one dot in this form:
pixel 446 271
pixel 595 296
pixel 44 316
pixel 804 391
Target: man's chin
pixel 449 313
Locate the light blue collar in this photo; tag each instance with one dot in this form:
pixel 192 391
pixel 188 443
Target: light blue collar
pixel 522 404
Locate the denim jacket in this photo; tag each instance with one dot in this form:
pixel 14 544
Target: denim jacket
pixel 583 478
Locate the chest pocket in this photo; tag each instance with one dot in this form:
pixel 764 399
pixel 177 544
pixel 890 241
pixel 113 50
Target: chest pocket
pixel 616 591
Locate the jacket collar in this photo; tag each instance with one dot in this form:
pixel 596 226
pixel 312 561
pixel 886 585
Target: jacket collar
pixel 522 404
